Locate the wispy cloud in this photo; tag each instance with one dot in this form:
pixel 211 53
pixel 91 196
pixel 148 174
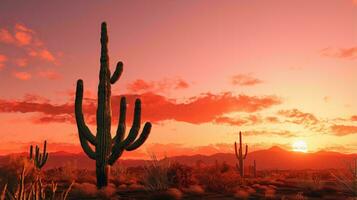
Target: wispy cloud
pixel 27 39
pixel 21 62
pixel 245 80
pixel 3 59
pixel 342 130
pixel 161 86
pixel 22 75
pixel 283 133
pixel 298 117
pixel 200 109
pixel 342 53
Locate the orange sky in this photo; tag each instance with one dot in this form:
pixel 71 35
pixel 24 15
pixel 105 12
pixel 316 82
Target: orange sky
pixel 280 71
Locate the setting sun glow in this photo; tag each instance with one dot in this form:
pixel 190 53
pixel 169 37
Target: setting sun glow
pixel 300 146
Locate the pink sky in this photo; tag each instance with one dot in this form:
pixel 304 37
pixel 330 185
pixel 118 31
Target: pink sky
pixel 280 71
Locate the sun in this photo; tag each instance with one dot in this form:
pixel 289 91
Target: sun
pixel 300 146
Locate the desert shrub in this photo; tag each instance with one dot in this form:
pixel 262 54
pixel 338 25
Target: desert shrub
pixel 155 174
pixel 180 176
pixel 347 179
pixel 66 173
pixel 119 174
pixel 215 181
pixel 87 190
pixel 222 167
pixel 34 187
pixel 11 171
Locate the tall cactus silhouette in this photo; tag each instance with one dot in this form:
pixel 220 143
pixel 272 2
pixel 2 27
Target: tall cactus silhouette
pixel 39 159
pixel 239 155
pixel 108 149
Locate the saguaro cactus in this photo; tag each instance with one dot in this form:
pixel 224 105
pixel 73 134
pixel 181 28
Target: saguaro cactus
pixel 108 149
pixel 239 155
pixel 39 159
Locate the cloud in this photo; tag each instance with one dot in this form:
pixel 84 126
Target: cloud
pixel 245 80
pixel 203 108
pixel 161 86
pixel 283 133
pixel 6 37
pixel 346 148
pixel 27 39
pixel 3 59
pixel 230 121
pixel 22 75
pixel 272 119
pixel 23 38
pixel 241 120
pixel 21 62
pixel 44 54
pixel 49 74
pixel 35 98
pixel 200 109
pixel 342 130
pixel 297 117
pixel 343 53
pixel 354 118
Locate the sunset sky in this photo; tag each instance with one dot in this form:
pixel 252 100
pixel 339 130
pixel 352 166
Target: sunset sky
pixel 279 71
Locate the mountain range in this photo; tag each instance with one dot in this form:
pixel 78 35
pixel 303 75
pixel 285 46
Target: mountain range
pixel 272 158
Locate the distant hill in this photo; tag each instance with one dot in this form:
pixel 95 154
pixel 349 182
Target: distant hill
pixel 273 158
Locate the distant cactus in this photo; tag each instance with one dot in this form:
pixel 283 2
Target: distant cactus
pixel 255 169
pixel 39 159
pixel 239 155
pixel 108 149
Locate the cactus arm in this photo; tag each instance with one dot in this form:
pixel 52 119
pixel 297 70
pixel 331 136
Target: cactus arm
pixel 119 147
pixel 143 136
pixel 31 152
pixel 121 124
pixel 37 153
pixel 44 148
pixel 116 153
pixel 133 133
pixel 86 148
pixel 235 150
pixel 117 73
pixel 82 127
pixel 246 151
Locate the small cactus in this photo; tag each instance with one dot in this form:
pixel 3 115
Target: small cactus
pixel 39 159
pixel 240 156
